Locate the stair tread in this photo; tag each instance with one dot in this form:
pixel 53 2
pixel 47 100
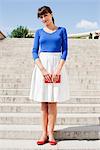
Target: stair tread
pixel 57 127
pixel 70 96
pixel 10 144
pixel 35 115
pixel 59 105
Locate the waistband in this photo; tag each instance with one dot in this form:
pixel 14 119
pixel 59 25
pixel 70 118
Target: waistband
pixel 50 53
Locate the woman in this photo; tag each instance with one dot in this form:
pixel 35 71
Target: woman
pixel 49 53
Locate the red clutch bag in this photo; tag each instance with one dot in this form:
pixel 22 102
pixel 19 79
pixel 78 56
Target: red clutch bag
pixel 51 81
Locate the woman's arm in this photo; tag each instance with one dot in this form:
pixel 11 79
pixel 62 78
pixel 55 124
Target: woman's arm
pixel 36 56
pixel 39 64
pixel 64 52
pixel 44 72
pixel 59 67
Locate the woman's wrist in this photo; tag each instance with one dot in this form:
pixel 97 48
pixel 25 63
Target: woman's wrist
pixel 42 69
pixel 59 69
pixel 60 65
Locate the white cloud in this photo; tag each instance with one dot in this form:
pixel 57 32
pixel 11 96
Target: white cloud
pixel 85 24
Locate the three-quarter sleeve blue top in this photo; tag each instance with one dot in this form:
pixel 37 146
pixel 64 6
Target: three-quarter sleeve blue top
pixel 50 42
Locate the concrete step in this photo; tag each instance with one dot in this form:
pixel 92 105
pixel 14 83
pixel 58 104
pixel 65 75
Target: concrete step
pixel 78 44
pixel 89 64
pixel 19 64
pixel 61 132
pixel 23 49
pixel 27 69
pixel 19 78
pixel 73 74
pixel 81 42
pixel 92 41
pixel 78 82
pixel 72 80
pixel 27 47
pixel 73 100
pixel 77 55
pixel 88 85
pixel 25 92
pixel 62 119
pixel 28 66
pixel 62 108
pixel 6 144
pixel 76 76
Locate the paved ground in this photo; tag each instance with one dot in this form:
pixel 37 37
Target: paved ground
pixel 62 145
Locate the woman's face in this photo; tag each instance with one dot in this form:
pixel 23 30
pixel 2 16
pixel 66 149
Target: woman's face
pixel 46 18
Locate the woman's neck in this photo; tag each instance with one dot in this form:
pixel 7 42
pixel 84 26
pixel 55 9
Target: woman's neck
pixel 51 27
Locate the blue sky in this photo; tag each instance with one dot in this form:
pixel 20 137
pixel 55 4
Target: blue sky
pixel 76 15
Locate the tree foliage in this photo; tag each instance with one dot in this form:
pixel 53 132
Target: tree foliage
pixel 19 32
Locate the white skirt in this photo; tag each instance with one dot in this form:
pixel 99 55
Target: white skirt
pixel 49 92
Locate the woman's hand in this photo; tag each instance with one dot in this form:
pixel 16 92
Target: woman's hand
pixel 56 74
pixel 46 75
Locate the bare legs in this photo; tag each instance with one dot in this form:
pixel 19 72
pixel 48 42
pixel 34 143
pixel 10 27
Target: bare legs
pixel 52 113
pixel 48 118
pixel 44 119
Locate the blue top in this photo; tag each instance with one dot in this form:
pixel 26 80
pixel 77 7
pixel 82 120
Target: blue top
pixel 50 42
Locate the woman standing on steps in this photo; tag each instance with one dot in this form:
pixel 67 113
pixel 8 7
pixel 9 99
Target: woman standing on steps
pixel 49 52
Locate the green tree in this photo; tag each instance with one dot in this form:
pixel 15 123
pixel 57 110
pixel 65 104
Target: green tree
pixel 19 32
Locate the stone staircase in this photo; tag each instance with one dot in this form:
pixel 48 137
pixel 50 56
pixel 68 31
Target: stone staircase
pixel 78 118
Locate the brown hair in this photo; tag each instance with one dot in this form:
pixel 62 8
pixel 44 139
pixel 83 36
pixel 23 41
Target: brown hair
pixel 44 10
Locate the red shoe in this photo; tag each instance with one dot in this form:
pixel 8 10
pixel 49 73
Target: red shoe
pixel 39 142
pixel 53 142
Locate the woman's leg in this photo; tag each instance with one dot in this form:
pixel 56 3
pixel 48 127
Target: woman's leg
pixel 52 114
pixel 44 119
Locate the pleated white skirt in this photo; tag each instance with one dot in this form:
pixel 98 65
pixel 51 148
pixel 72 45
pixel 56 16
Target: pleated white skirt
pixel 49 92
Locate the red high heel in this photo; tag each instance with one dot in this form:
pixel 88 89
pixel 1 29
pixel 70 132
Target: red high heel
pixel 41 142
pixel 52 142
